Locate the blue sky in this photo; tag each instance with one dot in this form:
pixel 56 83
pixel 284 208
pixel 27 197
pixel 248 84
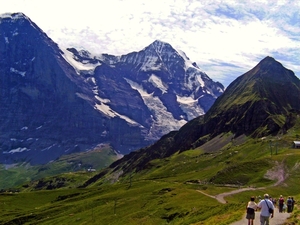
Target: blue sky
pixel 225 38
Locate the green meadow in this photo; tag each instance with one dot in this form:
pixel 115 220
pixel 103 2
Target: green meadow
pixel 173 190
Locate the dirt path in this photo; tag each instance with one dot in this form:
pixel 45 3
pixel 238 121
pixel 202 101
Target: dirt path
pixel 220 197
pixel 277 173
pixel 278 219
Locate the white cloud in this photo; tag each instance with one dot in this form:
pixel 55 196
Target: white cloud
pixel 216 34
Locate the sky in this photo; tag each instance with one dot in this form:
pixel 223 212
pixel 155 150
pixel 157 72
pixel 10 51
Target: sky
pixel 226 38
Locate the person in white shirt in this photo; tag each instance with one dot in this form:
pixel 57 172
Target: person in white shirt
pixel 251 208
pixel 264 205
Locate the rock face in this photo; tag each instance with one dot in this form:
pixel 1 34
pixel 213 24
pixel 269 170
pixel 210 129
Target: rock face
pixel 54 102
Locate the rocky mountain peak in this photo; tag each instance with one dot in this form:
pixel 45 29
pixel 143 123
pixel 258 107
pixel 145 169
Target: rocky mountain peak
pixel 14 16
pixel 19 22
pixel 54 101
pixel 160 47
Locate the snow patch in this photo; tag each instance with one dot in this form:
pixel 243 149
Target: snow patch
pixel 102 107
pixel 188 63
pixel 138 87
pixel 200 81
pixel 16 150
pixel 208 92
pixel 164 120
pixel 150 63
pixel 190 107
pixel 78 66
pixel 13 70
pixel 157 82
pixel 102 99
pixel 45 149
pixel 185 100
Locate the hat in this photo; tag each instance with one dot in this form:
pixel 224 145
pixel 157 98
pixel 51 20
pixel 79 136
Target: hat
pixel 266 195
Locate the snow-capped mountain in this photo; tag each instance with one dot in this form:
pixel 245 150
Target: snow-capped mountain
pixel 55 101
pixel 170 88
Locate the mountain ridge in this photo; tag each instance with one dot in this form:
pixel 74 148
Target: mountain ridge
pixel 58 101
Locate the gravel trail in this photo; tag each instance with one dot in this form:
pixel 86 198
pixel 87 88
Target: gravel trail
pixel 276 173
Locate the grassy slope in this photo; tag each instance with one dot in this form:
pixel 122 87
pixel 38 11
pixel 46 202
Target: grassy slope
pixel 166 193
pixel 19 174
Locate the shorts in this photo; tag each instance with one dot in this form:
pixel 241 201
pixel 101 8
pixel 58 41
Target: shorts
pixel 250 216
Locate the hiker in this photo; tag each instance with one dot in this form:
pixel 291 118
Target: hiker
pixel 280 203
pixel 289 203
pixel 251 208
pixel 293 203
pixel 259 198
pixel 266 210
pixel 284 208
pixel 274 202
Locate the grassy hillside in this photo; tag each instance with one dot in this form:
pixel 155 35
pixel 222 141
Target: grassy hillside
pixel 16 174
pixel 173 190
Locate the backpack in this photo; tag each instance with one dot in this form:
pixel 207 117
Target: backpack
pixel 289 202
pixel 281 200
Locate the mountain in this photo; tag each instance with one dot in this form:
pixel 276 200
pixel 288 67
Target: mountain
pixel 43 111
pixel 264 101
pixel 55 102
pixel 158 87
pixel 264 98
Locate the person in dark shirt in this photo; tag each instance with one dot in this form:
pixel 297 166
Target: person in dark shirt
pixel 293 203
pixel 289 203
pixel 280 203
